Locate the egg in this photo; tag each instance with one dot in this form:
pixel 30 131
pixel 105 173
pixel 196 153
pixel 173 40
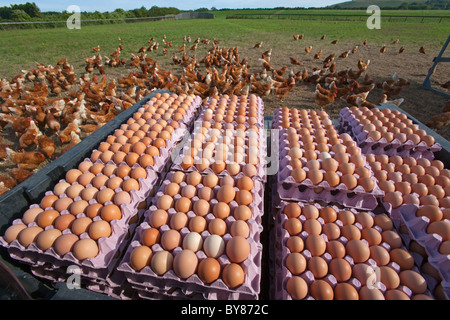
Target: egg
pixel 315 176
pixel 140 257
pixel 161 262
pixel 321 290
pixel 226 194
pixel 64 221
pixel 233 275
pixel 318 266
pixel 111 212
pixel 214 246
pixel 208 270
pixel 358 250
pixel 31 214
pixel 13 231
pixel 99 229
pixel 60 188
pixel 442 228
pixel 315 244
pixel 394 198
pixel 47 217
pixel 197 224
pixel 345 291
pixel 413 280
pixel 237 249
pixel 340 269
pixel 85 248
pixel 193 241
pixel 185 263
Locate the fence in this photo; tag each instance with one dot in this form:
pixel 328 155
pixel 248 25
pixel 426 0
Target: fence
pixel 339 17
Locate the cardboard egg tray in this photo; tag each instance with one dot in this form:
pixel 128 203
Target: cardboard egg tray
pixel 417 226
pixel 49 263
pixel 260 167
pixel 349 123
pixel 281 251
pixel 151 286
pixel 277 119
pixel 260 111
pixel 289 189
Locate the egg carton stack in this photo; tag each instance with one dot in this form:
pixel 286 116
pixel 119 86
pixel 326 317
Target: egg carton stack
pixel 327 252
pixel 318 164
pixel 89 217
pixel 387 132
pixel 230 143
pixel 415 197
pixel 200 240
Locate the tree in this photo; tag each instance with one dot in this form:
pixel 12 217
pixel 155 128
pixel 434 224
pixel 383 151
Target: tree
pixel 20 16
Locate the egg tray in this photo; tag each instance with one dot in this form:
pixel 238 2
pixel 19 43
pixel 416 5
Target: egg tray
pixel 289 189
pixel 351 125
pixel 147 278
pixel 277 117
pixel 419 260
pixel 417 226
pixel 259 117
pixel 251 266
pixel 283 273
pixel 103 263
pixel 261 167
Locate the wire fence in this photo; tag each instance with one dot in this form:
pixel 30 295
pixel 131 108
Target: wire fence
pixel 340 17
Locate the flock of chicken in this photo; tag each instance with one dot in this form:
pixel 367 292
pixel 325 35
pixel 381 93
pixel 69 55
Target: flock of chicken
pixel 52 108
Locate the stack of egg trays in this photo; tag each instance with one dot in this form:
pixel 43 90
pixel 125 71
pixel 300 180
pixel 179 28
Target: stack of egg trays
pixel 262 161
pixel 405 215
pixel 289 189
pixel 348 123
pixel 281 251
pixel 98 270
pixel 149 285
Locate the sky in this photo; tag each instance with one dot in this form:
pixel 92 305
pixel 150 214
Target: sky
pixel 111 5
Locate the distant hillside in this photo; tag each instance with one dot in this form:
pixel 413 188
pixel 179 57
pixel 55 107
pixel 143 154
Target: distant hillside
pixel 394 4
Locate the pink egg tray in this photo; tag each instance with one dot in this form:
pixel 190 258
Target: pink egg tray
pixel 417 226
pixel 349 123
pixel 289 189
pixel 261 167
pixel 277 119
pixel 282 273
pixel 149 285
pixel 260 112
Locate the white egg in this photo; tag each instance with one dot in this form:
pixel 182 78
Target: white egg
pixel 193 241
pixel 214 246
pixel 324 155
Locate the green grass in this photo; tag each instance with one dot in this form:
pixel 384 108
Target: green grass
pixel 20 49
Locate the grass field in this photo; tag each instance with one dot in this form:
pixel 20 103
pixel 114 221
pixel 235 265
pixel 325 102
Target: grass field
pixel 20 49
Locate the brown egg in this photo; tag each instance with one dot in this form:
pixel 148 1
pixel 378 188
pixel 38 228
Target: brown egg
pixel 150 236
pixel 321 290
pixel 140 257
pixel 312 226
pixel 345 291
pixel 310 212
pixel 111 212
pixel 413 280
pixel 208 270
pixel 433 213
pixel 315 175
pixel 299 174
pixel 47 218
pixel 99 181
pixel 296 263
pixel 72 175
pixel 99 229
pixel 332 178
pixel 367 183
pixel 293 226
pixel 351 232
pixel 394 198
pixel 358 250
pixel 64 243
pixel 60 188
pixel 85 248
pixel 350 181
pixel 81 225
pixel 441 228
pixel 340 269
pixel 197 224
pixel 158 218
pixel 233 275
pixel 328 214
pixel 365 219
pixel 170 239
pixel 48 201
pixel 315 244
pixel 226 194
pixel 89 193
pixel 13 231
pixel 78 206
pixel 61 204
pixel 244 197
pixel 318 266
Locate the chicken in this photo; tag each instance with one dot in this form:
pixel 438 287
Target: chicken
pixel 3 153
pixel 74 141
pixel 384 99
pixel 422 50
pixel 51 122
pixel 344 54
pixel 363 66
pixel 402 48
pixel 281 92
pixel 296 36
pixel 365 42
pixel 439 120
pixel 295 61
pixel 3 189
pixel 324 91
pixel 322 99
pixel 355 49
pixel 182 48
pixel 357 88
pixel 96 49
pixel 18 124
pixel 446 85
pixel 323 37
pixel 90 128
pixel 318 55
pixel 258 45
pixel 360 102
pixel 8 181
pixel 46 145
pixel 26 160
pixel 351 99
pixel 308 49
pixel 29 137
pixel 335 41
pixel 391 90
pixel 20 175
